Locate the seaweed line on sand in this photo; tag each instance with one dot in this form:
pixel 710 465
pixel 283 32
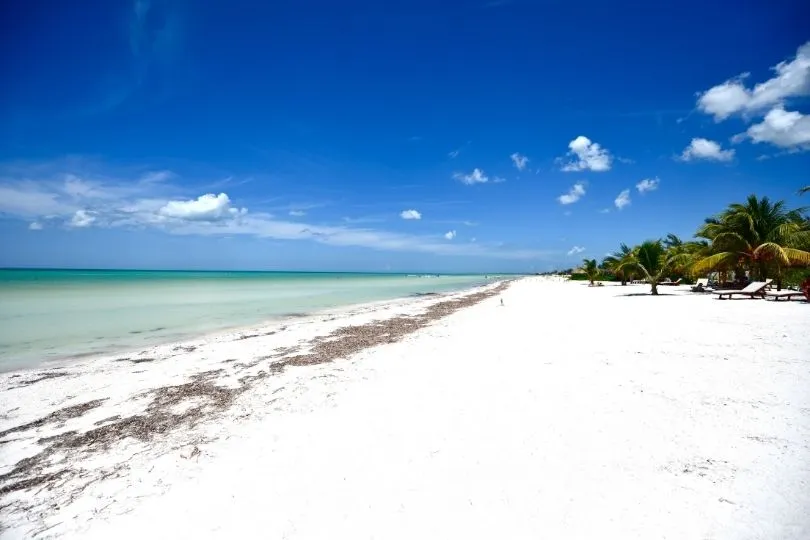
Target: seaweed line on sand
pixel 39 377
pixel 204 398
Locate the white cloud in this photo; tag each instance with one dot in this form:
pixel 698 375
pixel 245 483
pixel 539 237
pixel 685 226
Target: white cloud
pixel 29 199
pixel 35 226
pixel 519 160
pixel 604 211
pixel 792 79
pixel 82 218
pixel 297 213
pixel 574 194
pixel 786 129
pixel 589 156
pixel 648 184
pixel 157 176
pixel 208 207
pixel 575 250
pixel 449 235
pixel 498 180
pixel 701 148
pixel 477 176
pixel 38 193
pixel 623 199
pixel 410 214
pixel 725 99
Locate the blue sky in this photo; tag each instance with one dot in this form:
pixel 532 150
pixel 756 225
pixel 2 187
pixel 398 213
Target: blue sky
pixel 404 135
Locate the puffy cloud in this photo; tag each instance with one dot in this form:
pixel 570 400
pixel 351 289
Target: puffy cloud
pixel 477 176
pixel 725 99
pixel 701 148
pixel 82 218
pixel 410 214
pixel 575 250
pixel 574 194
pixel 786 129
pixel 208 207
pixel 589 156
pixel 623 199
pixel 648 184
pixel 35 226
pixel 519 160
pixel 450 235
pixel 791 79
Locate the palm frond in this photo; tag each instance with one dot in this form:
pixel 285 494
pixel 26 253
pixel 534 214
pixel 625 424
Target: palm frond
pixel 715 262
pixel 797 257
pixel 772 251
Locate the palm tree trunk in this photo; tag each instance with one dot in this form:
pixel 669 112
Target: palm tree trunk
pixel 654 290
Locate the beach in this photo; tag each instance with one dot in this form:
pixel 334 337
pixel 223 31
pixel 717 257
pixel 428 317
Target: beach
pixel 531 408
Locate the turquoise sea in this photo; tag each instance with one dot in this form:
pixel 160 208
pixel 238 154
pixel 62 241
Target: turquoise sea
pixel 48 315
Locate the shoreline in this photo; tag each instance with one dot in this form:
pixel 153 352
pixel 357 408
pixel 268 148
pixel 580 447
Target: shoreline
pixel 162 397
pixel 224 331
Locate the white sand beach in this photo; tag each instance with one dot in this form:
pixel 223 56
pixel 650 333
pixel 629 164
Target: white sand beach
pixel 547 410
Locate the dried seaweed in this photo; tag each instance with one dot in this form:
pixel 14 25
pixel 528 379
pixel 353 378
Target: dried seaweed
pixel 40 377
pixel 349 340
pixel 56 417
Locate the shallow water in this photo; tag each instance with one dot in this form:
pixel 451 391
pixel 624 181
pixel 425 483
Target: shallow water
pixel 50 315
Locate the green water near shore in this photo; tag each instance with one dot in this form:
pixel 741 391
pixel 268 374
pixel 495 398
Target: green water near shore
pixel 48 315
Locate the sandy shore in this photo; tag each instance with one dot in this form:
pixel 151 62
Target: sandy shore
pixel 568 412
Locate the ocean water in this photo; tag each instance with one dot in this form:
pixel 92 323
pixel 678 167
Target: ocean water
pixel 50 315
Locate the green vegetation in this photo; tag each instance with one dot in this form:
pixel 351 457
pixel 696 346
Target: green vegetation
pixel 758 238
pixel 653 261
pixel 591 270
pixel 613 264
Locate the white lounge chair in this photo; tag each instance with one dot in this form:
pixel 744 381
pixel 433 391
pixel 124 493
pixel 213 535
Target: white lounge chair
pixel 755 288
pixel 787 295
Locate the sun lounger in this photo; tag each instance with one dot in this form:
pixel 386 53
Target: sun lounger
pixel 671 283
pixel 787 295
pixel 755 288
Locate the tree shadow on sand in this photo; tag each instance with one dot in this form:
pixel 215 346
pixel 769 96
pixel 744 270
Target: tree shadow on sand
pixel 648 294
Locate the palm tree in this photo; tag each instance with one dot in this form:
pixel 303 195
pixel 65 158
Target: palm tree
pixel 652 260
pixel 804 190
pixel 591 269
pixel 613 262
pixel 689 252
pixel 760 235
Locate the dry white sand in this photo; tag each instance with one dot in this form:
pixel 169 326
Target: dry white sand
pixel 568 412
